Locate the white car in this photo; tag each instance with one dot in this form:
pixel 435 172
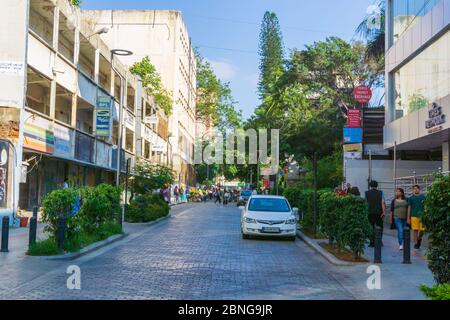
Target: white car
pixel 269 216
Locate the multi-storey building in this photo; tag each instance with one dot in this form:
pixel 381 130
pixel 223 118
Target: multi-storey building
pixel 163 37
pixel 67 105
pixel 418 78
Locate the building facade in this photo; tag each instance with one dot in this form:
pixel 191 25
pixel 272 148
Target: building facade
pixel 70 111
pixel 418 77
pixel 163 37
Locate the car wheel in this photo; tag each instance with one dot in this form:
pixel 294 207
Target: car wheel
pixel 292 238
pixel 245 236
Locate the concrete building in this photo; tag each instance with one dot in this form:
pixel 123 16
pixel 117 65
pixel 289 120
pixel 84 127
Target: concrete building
pixel 418 78
pixel 163 37
pixel 67 105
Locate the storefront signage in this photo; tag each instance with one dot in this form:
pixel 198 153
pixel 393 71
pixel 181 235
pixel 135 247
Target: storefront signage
pixel 362 94
pixel 4 156
pixel 103 117
pixel 354 118
pixel 63 141
pixel 436 119
pixel 151 120
pixel 158 148
pixel 354 147
pixel 353 135
pixel 129 120
pixel 38 134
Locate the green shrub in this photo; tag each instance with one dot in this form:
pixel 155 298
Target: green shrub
pixel 303 199
pixel 328 213
pixel 437 224
pixel 47 247
pixel 100 205
pixel 61 203
pixel 146 208
pixel 353 226
pixel 437 292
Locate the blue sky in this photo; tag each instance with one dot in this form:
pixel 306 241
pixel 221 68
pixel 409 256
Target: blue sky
pixel 227 31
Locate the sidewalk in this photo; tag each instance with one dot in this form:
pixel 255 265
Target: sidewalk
pixel 398 281
pixel 17 268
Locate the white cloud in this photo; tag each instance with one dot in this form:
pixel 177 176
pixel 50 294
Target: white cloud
pixel 224 70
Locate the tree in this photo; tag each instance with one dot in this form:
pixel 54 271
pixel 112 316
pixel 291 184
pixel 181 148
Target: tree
pixel 152 83
pixel 373 33
pixel 271 52
pixel 149 177
pixel 76 3
pixel 215 102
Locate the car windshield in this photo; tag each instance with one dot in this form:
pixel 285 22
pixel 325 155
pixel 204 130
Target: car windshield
pixel 246 193
pixel 269 205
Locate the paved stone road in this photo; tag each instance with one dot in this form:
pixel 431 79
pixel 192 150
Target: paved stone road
pixel 197 254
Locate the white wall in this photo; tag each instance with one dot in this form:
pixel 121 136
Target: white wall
pixel 383 171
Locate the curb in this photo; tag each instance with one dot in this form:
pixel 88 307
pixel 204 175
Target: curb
pixel 330 257
pixel 100 244
pixel 90 248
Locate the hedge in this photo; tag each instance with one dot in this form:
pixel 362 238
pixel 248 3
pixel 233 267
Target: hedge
pixel 91 213
pixel 147 208
pixel 437 224
pixel 342 219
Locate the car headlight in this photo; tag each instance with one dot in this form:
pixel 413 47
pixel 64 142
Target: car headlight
pixel 291 221
pixel 249 220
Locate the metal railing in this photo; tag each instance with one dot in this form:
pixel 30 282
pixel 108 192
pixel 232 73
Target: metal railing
pixel 423 180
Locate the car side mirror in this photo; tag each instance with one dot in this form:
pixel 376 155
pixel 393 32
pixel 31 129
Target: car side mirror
pixel 242 208
pixel 295 211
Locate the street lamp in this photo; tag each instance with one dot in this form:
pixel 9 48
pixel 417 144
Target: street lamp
pixel 119 52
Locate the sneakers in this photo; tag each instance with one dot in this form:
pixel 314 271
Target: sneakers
pixel 401 248
pixel 419 243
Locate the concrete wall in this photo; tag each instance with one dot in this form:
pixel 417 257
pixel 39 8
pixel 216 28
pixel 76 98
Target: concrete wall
pixel 163 37
pixel 383 172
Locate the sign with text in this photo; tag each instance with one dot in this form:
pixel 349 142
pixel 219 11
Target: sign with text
pixel 362 94
pixel 354 147
pixel 103 117
pixel 4 157
pixel 436 119
pixel 353 135
pixel 354 118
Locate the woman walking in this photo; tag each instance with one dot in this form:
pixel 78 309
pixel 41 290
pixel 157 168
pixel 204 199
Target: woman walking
pixel 399 214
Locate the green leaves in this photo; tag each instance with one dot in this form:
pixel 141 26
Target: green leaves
pixel 149 177
pixel 437 224
pixel 214 100
pixel 152 83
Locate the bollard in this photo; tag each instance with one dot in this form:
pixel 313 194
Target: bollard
pixel 33 231
pixel 61 233
pixel 5 234
pixel 407 245
pixel 377 248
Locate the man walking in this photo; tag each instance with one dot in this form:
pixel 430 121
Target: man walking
pixel 415 213
pixel 377 208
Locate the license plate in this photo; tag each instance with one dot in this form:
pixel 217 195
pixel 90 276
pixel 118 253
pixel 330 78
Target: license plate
pixel 271 230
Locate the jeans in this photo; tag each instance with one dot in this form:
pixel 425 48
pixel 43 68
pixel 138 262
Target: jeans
pixel 400 224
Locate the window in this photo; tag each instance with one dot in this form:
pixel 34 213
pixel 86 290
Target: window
pixel 406 13
pixel 269 205
pixel 424 80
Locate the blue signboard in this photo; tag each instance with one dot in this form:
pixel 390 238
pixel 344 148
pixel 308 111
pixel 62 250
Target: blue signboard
pixel 103 117
pixel 353 135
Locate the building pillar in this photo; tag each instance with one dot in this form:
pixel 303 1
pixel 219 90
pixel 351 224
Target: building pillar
pixel 446 156
pixel 55 28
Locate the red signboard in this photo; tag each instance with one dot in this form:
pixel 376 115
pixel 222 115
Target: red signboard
pixel 354 118
pixel 362 94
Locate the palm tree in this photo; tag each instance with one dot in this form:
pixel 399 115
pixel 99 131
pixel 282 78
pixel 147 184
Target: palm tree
pixel 375 36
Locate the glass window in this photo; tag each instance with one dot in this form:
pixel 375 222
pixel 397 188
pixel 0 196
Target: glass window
pixel 406 13
pixel 425 79
pixel 269 205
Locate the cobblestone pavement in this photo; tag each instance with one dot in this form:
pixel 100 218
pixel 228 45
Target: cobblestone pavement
pixel 196 254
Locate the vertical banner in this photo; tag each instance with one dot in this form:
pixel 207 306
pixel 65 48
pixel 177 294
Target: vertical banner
pixel 103 117
pixel 4 155
pixel 354 118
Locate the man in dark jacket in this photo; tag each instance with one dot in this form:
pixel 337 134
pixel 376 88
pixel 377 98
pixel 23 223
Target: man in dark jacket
pixel 377 208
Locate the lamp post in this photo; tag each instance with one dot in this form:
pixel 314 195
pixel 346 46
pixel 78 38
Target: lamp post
pixel 119 52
